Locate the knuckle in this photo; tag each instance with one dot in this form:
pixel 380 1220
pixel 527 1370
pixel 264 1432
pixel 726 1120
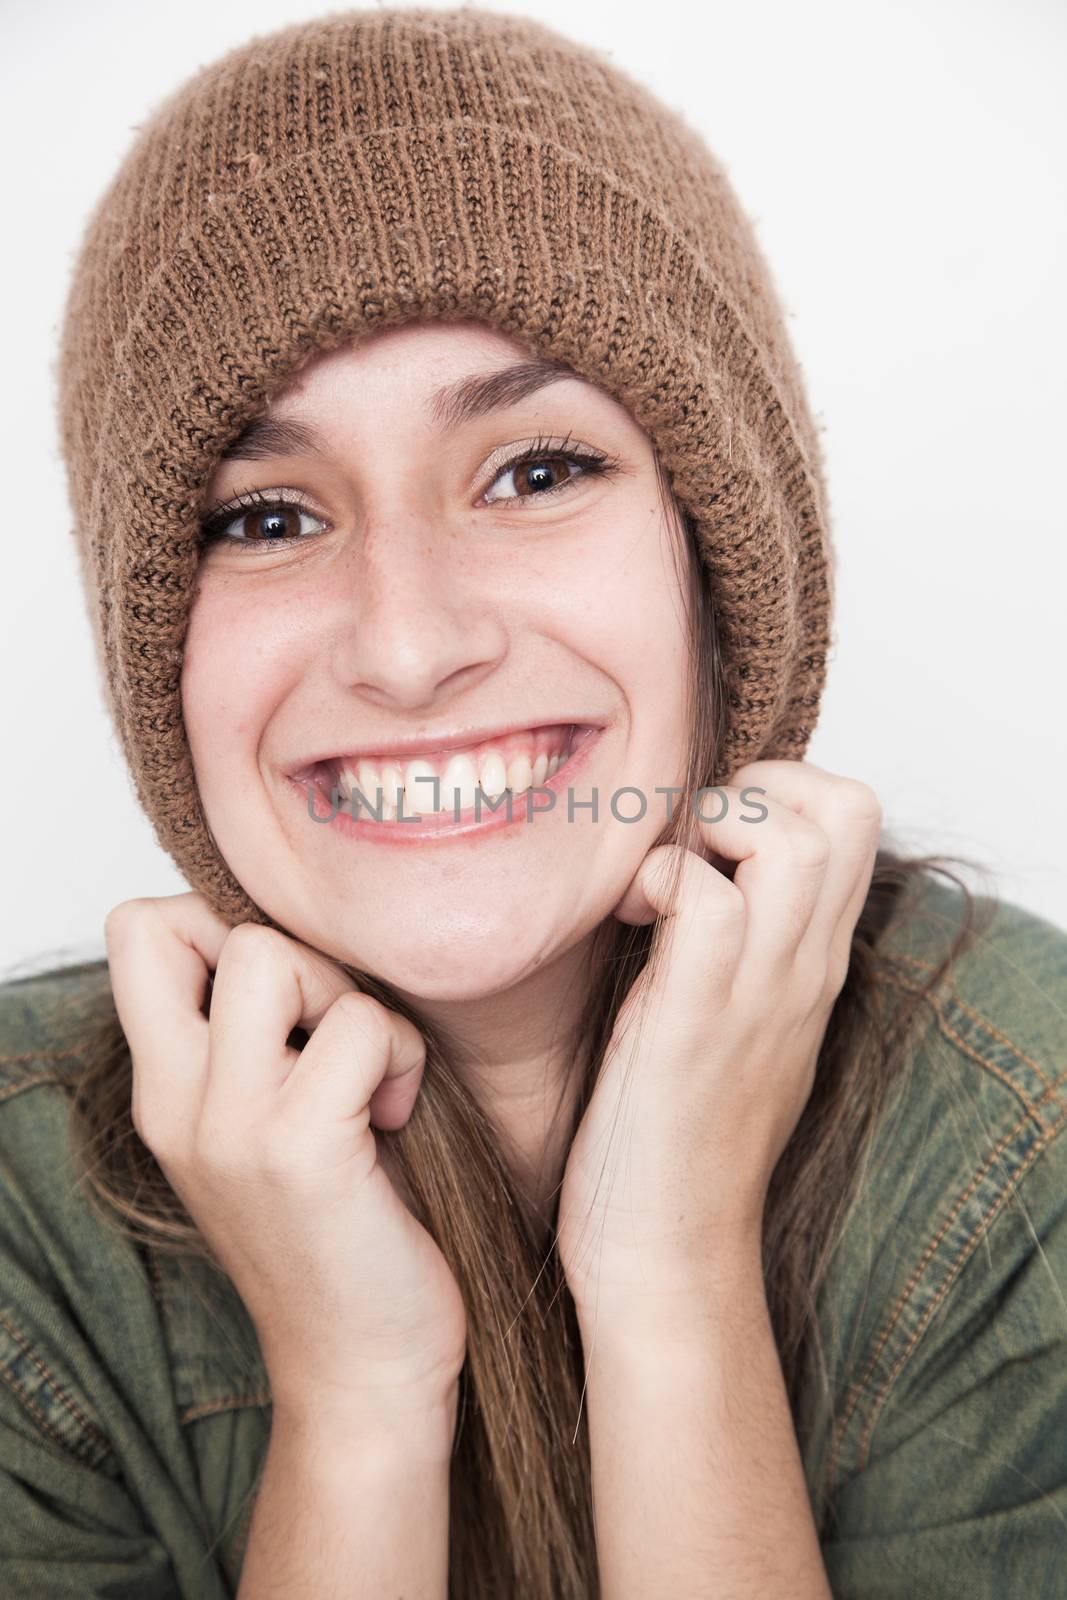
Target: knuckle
pixel 361 1012
pixel 124 916
pixel 719 899
pixel 858 802
pixel 808 847
pixel 356 1003
pixel 252 942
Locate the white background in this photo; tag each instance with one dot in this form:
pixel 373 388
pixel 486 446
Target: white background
pixel 904 166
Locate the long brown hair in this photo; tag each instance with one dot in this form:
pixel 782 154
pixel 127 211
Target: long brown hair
pixel 521 1502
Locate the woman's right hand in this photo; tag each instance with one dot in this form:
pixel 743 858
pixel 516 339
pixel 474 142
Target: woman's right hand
pixel 272 1153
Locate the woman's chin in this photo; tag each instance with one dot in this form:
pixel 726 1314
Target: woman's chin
pixel 430 956
pixel 477 976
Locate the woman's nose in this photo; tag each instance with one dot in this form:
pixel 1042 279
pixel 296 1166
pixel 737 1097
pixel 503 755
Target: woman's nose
pixel 416 622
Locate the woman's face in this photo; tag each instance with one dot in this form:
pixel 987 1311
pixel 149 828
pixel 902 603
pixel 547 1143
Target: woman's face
pixel 437 604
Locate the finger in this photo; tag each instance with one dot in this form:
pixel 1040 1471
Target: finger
pixel 266 984
pixel 850 814
pixel 160 954
pixel 362 1057
pixel 781 860
pixel 703 924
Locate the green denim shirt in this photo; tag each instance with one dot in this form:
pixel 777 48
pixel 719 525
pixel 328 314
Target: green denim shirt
pixel 135 1408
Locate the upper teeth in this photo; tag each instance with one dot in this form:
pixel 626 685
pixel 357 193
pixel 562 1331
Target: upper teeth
pixel 461 776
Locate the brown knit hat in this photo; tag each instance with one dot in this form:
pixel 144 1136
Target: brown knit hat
pixel 372 167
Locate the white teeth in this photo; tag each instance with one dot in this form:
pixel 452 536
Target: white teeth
pixel 494 779
pixel 419 797
pixel 369 782
pixel 392 785
pixel 520 774
pixel 409 783
pixel 460 779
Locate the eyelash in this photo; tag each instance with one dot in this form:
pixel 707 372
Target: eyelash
pixel 594 463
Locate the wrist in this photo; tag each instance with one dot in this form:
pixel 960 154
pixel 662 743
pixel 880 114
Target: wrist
pixel 727 1293
pixel 386 1427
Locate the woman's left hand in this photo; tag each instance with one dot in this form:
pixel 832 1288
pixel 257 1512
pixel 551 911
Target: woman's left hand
pixel 668 1172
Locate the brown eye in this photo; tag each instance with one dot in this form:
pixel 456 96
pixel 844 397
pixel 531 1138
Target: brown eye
pixel 283 522
pixel 261 520
pixel 539 473
pixel 535 475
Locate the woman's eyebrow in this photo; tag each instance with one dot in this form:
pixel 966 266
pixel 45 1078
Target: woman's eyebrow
pixel 455 403
pixel 481 392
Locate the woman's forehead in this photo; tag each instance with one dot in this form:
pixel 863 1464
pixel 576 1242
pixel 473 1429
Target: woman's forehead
pixel 432 346
pixel 446 375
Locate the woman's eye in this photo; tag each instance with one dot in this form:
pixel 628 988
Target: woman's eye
pixel 533 476
pixel 261 520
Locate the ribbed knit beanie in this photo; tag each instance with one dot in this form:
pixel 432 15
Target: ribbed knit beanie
pixel 373 167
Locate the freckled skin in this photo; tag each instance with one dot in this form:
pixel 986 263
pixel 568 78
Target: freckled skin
pixel 414 605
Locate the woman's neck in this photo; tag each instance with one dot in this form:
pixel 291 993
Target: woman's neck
pixel 515 1052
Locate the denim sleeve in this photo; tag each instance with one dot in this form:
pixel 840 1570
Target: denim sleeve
pixel 68 1523
pixel 99 1498
pixel 67 1528
pixel 946 1470
pixel 963 1483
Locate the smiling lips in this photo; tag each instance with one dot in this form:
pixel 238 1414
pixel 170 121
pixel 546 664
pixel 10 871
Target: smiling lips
pixel 514 761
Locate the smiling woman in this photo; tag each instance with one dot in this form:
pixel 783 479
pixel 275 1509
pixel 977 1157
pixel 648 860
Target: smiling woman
pixel 441 617
pixel 559 1147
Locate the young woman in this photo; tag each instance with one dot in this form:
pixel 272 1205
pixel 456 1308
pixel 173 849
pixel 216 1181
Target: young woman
pixel 558 1147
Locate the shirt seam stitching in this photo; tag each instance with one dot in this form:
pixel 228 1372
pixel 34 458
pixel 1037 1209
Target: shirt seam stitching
pixel 209 1408
pixel 950 1033
pixel 858 1390
pixel 9 1090
pixel 90 1437
pixel 951 1275
pixel 979 1017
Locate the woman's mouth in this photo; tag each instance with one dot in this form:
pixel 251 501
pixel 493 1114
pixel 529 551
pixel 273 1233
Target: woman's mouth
pixel 445 786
